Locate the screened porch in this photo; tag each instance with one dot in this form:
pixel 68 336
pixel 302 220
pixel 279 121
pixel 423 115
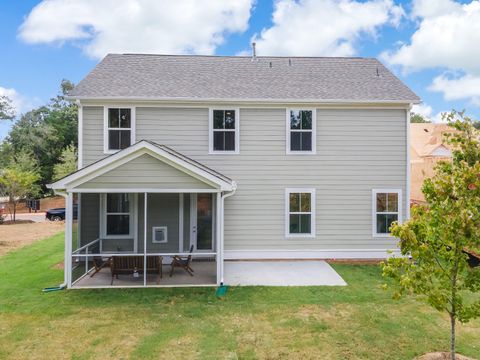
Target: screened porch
pixel 117 236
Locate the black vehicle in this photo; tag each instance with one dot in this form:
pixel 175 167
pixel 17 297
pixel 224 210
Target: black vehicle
pixel 58 214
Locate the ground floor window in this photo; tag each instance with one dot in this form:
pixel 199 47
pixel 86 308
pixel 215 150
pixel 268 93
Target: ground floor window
pixel 299 212
pixel 387 208
pixel 117 215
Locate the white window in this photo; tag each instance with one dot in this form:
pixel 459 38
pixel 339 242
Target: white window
pixel 387 208
pixel 224 130
pixel 119 124
pixel 300 212
pixel 159 234
pixel 301 131
pixel 117 219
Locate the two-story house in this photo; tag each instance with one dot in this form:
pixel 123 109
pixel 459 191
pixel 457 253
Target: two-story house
pixel 224 158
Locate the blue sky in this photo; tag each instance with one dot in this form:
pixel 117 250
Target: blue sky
pixel 42 43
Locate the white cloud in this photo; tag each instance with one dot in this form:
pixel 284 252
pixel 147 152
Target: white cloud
pixel 465 87
pixel 430 8
pixel 148 26
pixel 17 100
pixel 422 109
pixel 20 102
pixel 447 38
pixel 427 112
pixel 324 27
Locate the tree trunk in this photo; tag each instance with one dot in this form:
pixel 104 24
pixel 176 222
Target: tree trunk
pixel 452 337
pixel 14 211
pixel 453 312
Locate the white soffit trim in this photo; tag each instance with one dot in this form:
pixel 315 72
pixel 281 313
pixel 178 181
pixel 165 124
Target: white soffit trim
pixel 143 147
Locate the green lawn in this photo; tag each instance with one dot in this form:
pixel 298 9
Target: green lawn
pixel 359 321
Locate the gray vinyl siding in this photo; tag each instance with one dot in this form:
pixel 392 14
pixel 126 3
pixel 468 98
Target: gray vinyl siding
pixel 357 150
pixel 147 172
pixel 92 149
pixel 89 218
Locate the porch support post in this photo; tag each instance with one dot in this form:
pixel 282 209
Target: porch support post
pixel 145 239
pixel 68 239
pixel 219 238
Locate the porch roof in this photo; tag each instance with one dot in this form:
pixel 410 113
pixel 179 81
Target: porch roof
pixel 181 173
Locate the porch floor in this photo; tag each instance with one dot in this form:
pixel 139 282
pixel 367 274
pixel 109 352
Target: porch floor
pixel 205 274
pixel 281 273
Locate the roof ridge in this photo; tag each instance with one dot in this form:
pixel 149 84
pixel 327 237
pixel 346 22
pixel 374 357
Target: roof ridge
pixel 246 56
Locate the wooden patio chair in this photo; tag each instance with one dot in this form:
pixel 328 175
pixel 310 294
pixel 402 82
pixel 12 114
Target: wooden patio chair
pixel 99 263
pixel 183 263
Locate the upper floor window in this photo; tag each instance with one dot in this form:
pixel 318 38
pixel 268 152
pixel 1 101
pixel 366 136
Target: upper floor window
pixel 224 131
pixel 301 134
pixel 387 208
pixel 300 212
pixel 119 129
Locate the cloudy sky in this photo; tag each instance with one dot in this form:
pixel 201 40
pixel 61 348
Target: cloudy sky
pixel 432 45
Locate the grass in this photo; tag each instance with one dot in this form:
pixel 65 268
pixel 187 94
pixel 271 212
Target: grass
pixel 359 321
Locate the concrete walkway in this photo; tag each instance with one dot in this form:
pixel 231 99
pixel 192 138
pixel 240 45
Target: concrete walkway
pixel 281 273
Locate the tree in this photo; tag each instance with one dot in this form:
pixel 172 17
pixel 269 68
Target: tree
pixel 67 164
pixel 7 112
pixel 43 132
pixel 438 234
pixel 17 185
pixel 417 118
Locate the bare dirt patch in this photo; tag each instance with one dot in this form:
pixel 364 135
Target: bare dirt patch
pixel 15 236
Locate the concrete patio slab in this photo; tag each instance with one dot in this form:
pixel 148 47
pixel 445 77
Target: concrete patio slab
pixel 281 273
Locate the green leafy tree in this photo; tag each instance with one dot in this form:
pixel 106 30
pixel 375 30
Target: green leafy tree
pixel 67 164
pixel 438 234
pixel 43 132
pixel 17 185
pixel 7 112
pixel 417 118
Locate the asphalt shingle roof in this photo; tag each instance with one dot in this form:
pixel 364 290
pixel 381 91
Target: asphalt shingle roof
pixel 241 78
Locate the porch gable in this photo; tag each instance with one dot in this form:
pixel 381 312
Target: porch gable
pixel 145 172
pixel 145 167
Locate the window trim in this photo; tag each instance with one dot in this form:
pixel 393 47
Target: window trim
pixel 211 130
pixel 131 214
pixel 288 130
pixel 106 150
pixel 374 210
pixel 311 191
pixel 165 229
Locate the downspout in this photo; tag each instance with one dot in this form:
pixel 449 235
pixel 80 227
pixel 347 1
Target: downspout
pixel 222 235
